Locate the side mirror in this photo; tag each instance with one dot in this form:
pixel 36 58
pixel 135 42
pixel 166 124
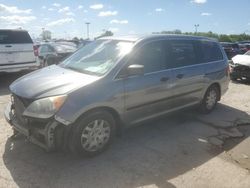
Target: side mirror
pixel 135 69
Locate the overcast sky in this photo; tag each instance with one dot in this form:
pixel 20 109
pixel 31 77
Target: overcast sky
pixel 67 18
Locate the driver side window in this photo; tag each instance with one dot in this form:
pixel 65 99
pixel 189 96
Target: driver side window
pixel 152 55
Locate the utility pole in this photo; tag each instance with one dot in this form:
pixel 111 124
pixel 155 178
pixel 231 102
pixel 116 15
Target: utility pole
pixel 196 28
pixel 87 24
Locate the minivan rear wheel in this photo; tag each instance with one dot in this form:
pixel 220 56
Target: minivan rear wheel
pixel 92 133
pixel 210 100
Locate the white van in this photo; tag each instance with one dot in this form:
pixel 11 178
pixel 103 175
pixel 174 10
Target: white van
pixel 16 51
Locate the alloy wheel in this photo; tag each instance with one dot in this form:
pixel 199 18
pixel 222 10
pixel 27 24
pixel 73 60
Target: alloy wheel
pixel 211 99
pixel 95 135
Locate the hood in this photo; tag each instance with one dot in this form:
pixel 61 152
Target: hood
pixel 242 60
pixel 49 81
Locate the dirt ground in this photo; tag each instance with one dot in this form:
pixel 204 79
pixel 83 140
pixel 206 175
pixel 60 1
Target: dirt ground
pixel 183 150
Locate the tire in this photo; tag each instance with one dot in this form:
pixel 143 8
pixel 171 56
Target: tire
pixel 210 100
pixel 92 134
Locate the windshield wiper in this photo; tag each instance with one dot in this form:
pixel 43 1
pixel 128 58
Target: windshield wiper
pixel 82 71
pixel 73 68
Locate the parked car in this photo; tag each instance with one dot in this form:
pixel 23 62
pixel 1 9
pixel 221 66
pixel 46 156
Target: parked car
pixel 69 42
pixel 53 53
pixel 231 49
pixel 113 83
pixel 244 42
pixel 240 67
pixel 16 51
pixel 84 43
pixel 36 48
pixel 244 48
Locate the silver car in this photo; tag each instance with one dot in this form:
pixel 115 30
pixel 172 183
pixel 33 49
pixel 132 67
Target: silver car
pixel 113 83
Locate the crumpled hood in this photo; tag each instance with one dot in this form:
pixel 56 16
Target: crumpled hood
pixel 242 60
pixel 49 81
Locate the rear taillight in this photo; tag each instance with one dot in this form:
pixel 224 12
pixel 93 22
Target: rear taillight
pixel 35 48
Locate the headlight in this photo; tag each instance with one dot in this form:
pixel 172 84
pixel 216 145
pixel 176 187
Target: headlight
pixel 45 108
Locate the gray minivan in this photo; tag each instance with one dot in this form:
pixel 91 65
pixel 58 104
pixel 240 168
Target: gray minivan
pixel 112 83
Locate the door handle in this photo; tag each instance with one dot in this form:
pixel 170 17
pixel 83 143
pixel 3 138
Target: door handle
pixel 8 46
pixel 180 76
pixel 164 79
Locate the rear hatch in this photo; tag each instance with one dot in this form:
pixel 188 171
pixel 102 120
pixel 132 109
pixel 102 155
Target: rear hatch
pixel 16 47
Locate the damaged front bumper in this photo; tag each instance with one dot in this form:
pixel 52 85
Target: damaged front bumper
pixel 39 133
pixel 239 71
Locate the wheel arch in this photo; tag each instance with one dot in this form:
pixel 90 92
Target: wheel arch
pixel 217 85
pixel 112 111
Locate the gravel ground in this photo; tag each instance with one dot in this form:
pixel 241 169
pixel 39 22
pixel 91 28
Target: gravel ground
pixel 183 150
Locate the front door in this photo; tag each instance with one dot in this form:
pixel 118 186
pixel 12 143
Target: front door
pixel 148 95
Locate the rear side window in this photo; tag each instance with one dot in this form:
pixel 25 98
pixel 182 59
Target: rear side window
pixel 182 53
pixel 14 37
pixel 210 52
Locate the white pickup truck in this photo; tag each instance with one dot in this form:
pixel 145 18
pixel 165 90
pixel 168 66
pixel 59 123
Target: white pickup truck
pixel 16 51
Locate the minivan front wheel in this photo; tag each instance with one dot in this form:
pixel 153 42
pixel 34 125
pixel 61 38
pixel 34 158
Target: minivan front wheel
pixel 210 100
pixel 92 133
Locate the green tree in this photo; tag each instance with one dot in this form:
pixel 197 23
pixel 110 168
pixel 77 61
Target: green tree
pixel 75 39
pixel 225 38
pixel 105 34
pixel 210 34
pixel 177 31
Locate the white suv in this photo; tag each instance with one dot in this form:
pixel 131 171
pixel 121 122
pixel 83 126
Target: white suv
pixel 16 51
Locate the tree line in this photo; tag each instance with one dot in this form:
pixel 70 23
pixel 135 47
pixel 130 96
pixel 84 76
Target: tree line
pixel 220 37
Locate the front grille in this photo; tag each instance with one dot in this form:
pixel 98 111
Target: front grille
pixel 242 68
pixel 19 105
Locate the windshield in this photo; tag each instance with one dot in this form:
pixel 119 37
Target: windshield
pixel 97 57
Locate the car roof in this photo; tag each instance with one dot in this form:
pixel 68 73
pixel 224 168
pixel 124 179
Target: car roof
pixel 16 30
pixel 135 38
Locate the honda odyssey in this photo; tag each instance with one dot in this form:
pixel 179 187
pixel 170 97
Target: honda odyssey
pixel 112 83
